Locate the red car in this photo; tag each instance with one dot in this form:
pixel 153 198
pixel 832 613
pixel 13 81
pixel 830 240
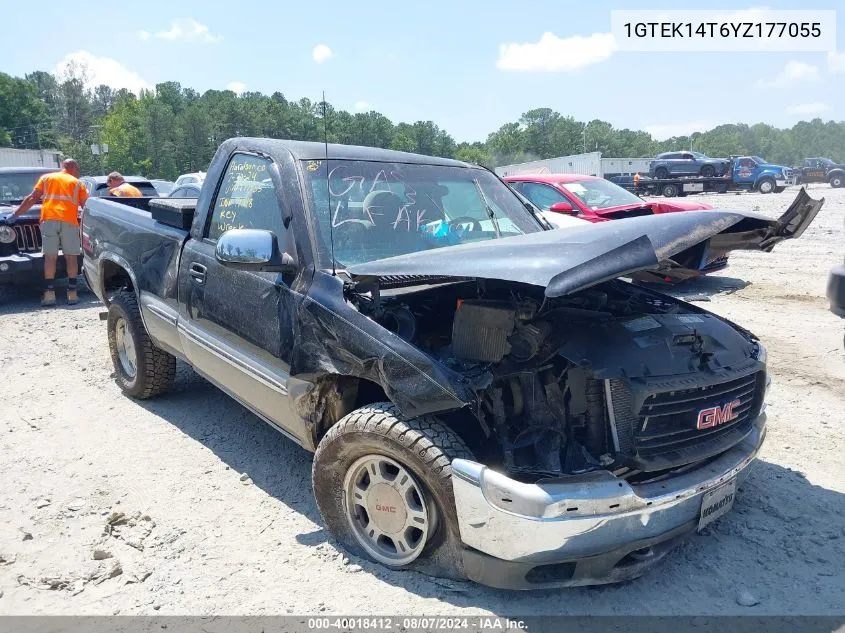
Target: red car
pixel 591 198
pixel 596 200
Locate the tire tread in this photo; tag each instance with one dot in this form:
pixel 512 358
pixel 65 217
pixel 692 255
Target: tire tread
pixel 159 367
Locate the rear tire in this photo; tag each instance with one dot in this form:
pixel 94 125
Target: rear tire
pixel 670 190
pixel 661 173
pixel 141 369
pixel 837 181
pixel 383 485
pixel 708 171
pixel 766 185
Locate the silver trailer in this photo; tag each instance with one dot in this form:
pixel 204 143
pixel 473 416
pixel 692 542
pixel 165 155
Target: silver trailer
pixel 589 164
pixel 624 166
pixel 10 157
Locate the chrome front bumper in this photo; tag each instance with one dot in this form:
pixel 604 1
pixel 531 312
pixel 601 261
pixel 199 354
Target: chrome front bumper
pixel 514 531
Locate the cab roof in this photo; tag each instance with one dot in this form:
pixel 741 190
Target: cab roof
pixel 309 150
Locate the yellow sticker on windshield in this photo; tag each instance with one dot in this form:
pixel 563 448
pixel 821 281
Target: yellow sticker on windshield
pixel 313 165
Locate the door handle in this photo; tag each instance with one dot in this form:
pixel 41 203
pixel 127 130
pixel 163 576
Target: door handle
pixel 197 272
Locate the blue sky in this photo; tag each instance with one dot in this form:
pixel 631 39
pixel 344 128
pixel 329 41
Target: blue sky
pixel 434 60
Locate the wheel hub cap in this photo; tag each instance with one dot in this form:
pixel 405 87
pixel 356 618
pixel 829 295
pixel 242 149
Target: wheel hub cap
pixel 125 348
pixel 386 509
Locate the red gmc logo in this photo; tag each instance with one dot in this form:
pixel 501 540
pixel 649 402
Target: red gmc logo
pixel 714 416
pixel 381 508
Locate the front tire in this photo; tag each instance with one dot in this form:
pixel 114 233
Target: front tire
pixel 708 171
pixel 837 181
pixel 661 172
pixel 766 185
pixel 383 485
pixel 141 369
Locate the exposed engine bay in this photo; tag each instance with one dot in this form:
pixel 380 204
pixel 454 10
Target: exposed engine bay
pixel 615 377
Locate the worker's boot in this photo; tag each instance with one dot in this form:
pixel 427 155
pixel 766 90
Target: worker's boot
pixel 49 298
pixel 72 296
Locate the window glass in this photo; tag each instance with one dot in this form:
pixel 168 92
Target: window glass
pixel 371 209
pixel 601 193
pixel 247 198
pixel 185 192
pixel 542 195
pixel 14 187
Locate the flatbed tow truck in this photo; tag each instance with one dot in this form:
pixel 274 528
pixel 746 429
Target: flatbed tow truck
pixel 745 173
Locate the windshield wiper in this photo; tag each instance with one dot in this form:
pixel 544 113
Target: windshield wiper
pixel 487 206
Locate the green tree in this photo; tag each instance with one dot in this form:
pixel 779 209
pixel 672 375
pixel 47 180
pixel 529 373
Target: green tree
pixel 22 113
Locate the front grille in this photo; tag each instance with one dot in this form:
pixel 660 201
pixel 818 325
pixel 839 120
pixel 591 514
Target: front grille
pixel 29 238
pixel 665 431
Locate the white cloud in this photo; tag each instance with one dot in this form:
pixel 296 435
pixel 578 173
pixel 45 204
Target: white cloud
pixel 667 130
pixel 793 72
pixel 101 70
pixel 144 35
pixel 188 30
pixel 836 62
pixel 808 109
pixel 237 87
pixel 552 53
pixel 321 53
pixel 363 106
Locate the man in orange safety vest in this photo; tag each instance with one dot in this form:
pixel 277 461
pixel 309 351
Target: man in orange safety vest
pixel 61 195
pixel 119 187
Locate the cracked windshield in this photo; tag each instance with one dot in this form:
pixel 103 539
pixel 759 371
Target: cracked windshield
pixel 374 210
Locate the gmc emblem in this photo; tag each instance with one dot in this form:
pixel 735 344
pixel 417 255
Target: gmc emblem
pixel 381 508
pixel 714 416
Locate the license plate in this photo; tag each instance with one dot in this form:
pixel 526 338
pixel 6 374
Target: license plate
pixel 716 503
pixel 694 187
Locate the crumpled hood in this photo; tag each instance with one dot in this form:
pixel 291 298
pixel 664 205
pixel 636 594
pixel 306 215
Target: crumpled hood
pixel 567 261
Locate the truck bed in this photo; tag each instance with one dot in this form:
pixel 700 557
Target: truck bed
pixel 126 231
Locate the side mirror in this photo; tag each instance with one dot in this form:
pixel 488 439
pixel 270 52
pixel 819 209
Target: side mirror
pixel 563 207
pixel 253 249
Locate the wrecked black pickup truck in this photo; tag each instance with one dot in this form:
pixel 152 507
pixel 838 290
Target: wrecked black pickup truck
pixel 486 398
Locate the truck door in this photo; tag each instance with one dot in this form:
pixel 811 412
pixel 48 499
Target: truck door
pixel 236 325
pixel 814 171
pixel 744 171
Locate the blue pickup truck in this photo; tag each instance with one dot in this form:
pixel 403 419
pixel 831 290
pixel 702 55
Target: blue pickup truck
pixel 750 173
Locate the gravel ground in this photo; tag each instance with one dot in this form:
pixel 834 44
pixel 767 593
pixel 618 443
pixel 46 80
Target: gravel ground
pixel 188 504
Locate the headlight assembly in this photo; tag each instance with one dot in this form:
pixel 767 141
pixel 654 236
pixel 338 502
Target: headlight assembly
pixel 7 235
pixel 760 352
